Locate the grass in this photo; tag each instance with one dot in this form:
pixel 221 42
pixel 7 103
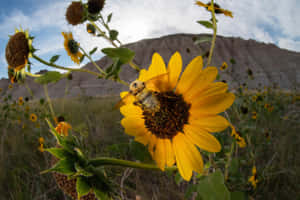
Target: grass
pixel 97 123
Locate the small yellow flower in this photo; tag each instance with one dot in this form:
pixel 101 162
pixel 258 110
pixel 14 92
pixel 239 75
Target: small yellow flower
pixel 254 115
pixel 254 98
pixel 224 66
pixel 33 117
pixel 90 28
pixel 63 128
pixel 21 101
pixel 10 86
pixel 72 47
pixel 253 179
pixel 41 140
pixel 237 136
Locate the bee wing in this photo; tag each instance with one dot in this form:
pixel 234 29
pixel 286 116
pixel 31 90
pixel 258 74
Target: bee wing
pixel 157 82
pixel 128 98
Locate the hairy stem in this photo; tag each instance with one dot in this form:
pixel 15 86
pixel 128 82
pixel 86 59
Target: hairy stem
pixel 214 34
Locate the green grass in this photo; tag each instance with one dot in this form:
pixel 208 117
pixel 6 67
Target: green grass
pixel 97 123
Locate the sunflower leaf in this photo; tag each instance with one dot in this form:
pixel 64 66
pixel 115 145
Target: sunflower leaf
pixel 49 77
pixel 207 24
pixel 62 166
pixel 113 34
pixel 109 18
pixel 124 54
pixel 93 51
pixel 54 58
pixel 58 152
pixel 82 187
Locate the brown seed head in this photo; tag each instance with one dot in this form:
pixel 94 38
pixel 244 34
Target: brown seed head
pixel 75 13
pixel 17 50
pixel 95 6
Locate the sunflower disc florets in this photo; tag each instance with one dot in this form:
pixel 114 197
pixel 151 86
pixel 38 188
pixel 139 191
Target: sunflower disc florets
pixel 95 6
pixel 18 50
pixel 75 13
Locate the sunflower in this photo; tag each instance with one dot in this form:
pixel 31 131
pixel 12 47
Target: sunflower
pixel 253 179
pixel 75 13
pixel 217 8
pixel 21 101
pixel 62 128
pixel 224 66
pixel 72 47
pixel 33 117
pixel 187 113
pixel 18 50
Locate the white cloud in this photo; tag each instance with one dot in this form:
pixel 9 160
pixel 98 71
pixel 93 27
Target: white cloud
pixel 289 44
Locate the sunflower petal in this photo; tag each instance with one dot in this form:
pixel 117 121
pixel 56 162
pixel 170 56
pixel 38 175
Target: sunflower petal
pixel 212 104
pixel 207 76
pixel 202 138
pixel 131 110
pixel 169 153
pixel 214 123
pixel 134 126
pixel 160 154
pixel 190 74
pixel 188 158
pixel 174 69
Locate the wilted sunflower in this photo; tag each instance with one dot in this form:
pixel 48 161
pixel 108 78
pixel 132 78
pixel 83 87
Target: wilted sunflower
pixel 33 117
pixel 95 6
pixel 63 128
pixel 18 50
pixel 75 13
pixel 187 113
pixel 72 47
pixel 217 8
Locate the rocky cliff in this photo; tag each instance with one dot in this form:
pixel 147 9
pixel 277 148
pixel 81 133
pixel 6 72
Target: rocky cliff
pixel 269 64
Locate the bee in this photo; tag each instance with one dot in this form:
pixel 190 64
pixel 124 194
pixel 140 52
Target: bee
pixel 144 93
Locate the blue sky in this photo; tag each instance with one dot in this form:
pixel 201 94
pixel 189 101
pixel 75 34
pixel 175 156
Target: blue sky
pixel 269 21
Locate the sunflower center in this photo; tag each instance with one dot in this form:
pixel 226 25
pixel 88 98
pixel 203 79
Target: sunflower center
pixel 172 115
pixel 73 46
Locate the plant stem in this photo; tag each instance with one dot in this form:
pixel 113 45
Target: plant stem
pixel 214 34
pixel 125 163
pixel 49 101
pixel 95 64
pixel 228 161
pixel 29 90
pixel 65 68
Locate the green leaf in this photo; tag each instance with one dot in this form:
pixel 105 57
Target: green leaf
pixel 109 18
pixel 202 39
pixel 232 61
pixel 237 195
pixel 82 58
pixel 81 171
pixel 234 166
pixel 113 34
pixel 93 51
pixel 63 166
pixel 82 187
pixel 178 178
pixel 207 24
pixel 59 152
pixel 124 54
pixel 49 77
pixel 101 195
pixel 213 187
pixel 53 59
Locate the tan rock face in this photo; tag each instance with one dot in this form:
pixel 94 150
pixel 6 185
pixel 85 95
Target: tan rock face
pixel 270 65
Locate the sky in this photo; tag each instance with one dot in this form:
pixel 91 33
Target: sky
pixel 268 21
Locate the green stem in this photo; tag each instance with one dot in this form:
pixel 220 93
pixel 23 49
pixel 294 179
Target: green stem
pixel 125 163
pixel 95 64
pixel 65 68
pixel 49 101
pixel 32 75
pixel 228 161
pixel 214 34
pixel 29 90
pixel 133 65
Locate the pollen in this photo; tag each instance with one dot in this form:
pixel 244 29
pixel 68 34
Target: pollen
pixel 170 118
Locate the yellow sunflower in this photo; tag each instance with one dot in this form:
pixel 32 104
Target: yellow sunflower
pixel 253 179
pixel 187 113
pixel 72 47
pixel 21 101
pixel 33 117
pixel 224 66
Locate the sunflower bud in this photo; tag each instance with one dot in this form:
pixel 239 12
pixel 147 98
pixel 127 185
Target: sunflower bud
pixel 95 6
